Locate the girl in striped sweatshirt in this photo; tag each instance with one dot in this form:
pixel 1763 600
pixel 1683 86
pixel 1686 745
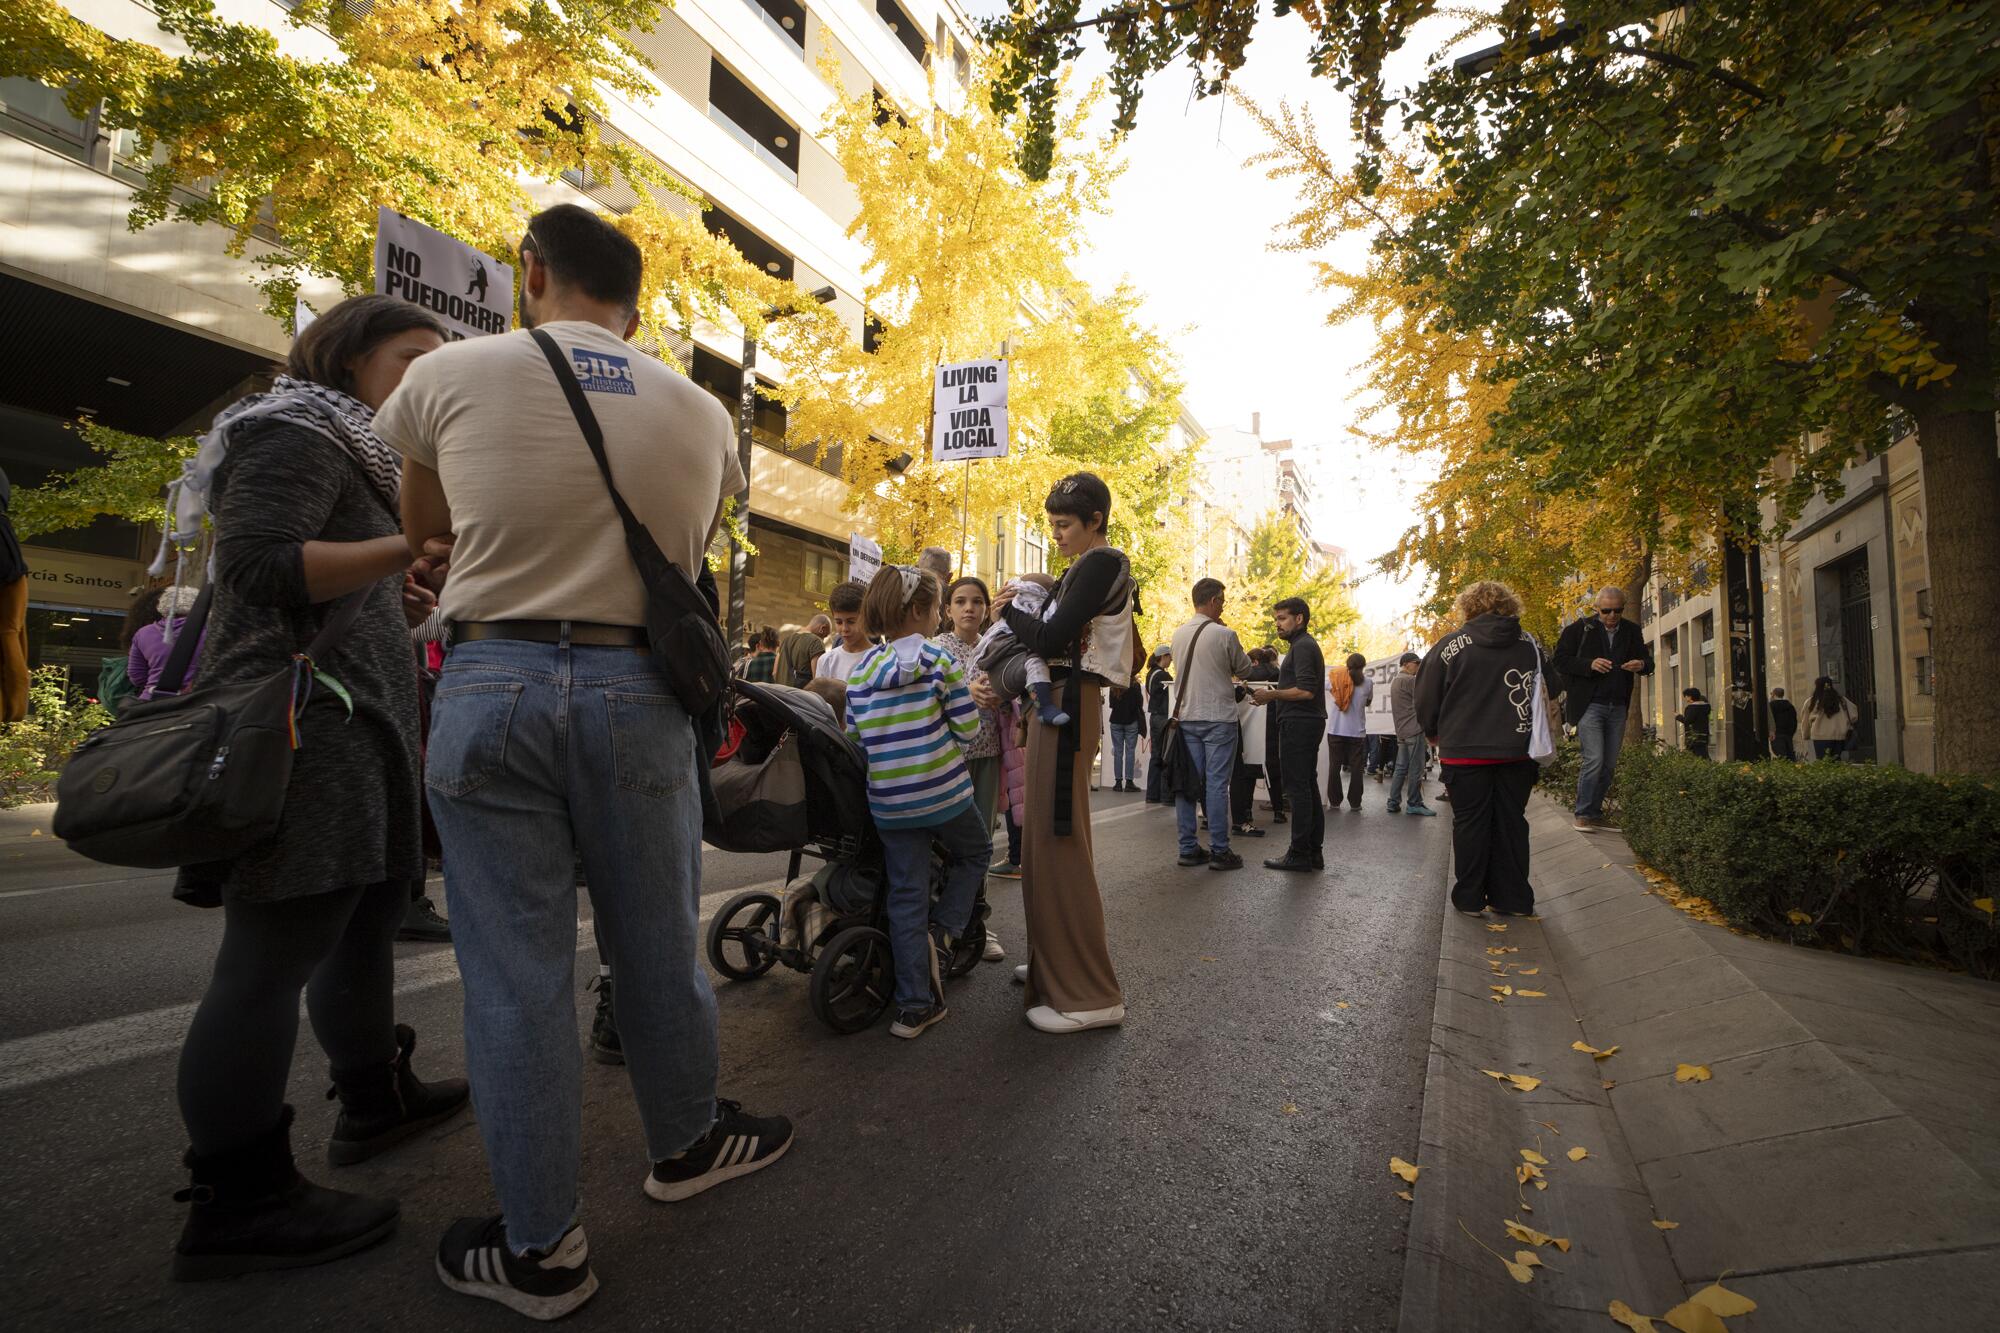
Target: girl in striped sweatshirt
pixel 908 707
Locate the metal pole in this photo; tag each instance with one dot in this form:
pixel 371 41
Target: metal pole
pixel 964 501
pixel 746 408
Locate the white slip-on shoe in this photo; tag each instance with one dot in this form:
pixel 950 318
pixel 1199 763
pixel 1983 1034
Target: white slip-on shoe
pixel 994 953
pixel 1045 1019
pixel 1021 974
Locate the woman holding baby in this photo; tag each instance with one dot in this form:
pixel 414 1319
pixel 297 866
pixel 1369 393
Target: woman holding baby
pixel 1086 636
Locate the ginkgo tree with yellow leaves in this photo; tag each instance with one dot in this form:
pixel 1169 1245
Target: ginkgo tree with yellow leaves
pixel 967 259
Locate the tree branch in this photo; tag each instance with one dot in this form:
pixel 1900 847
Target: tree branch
pixel 1716 72
pixel 1763 231
pixel 1110 16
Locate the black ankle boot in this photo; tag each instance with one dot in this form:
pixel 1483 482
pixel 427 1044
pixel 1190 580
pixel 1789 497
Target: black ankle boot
pixel 384 1104
pixel 605 1047
pixel 252 1210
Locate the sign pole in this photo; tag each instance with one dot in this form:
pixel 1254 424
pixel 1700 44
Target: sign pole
pixel 964 511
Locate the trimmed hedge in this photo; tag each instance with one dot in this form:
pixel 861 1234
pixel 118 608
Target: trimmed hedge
pixel 1852 857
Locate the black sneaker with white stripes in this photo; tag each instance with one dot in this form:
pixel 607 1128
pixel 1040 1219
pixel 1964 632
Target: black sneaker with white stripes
pixel 735 1145
pixel 473 1259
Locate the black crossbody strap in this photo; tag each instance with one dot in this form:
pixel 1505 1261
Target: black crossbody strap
pixel 586 420
pixel 1180 699
pixel 176 669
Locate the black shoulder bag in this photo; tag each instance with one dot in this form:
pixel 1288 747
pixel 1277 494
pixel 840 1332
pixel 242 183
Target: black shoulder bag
pixel 185 779
pixel 680 623
pixel 1177 771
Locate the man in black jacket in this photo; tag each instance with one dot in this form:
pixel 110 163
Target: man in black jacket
pixel 1784 726
pixel 1300 699
pixel 1600 656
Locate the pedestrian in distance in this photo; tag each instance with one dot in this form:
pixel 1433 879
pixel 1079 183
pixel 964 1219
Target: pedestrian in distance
pixel 1599 657
pixel 1406 785
pixel 1476 704
pixel 1253 725
pixel 799 650
pixel 1693 718
pixel 1301 704
pixel 851 644
pixel 1211 660
pixel 1784 726
pixel 910 711
pixel 761 666
pixel 1128 716
pixel 115 686
pixel 1349 693
pixel 1159 707
pixel 1830 719
pixel 967 611
pixel 1087 637
pixel 303 493
pixel 155 642
pixel 557 736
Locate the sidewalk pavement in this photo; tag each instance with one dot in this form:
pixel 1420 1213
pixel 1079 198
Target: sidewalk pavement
pixel 1841 1164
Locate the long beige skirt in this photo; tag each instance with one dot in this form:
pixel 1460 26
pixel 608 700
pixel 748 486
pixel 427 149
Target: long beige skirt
pixel 1069 964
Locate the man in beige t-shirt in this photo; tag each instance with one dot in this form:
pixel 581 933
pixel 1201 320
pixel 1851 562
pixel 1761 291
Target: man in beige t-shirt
pixel 555 737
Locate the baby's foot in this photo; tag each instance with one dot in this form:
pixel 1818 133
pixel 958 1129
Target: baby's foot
pixel 1052 716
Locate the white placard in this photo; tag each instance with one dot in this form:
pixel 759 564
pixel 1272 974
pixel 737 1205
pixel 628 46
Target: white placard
pixel 969 411
pixel 864 559
pixel 471 293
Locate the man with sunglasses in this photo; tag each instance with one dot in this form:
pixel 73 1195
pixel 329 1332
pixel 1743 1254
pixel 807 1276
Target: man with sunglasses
pixel 1600 656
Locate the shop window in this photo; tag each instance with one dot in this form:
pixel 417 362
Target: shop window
pixel 748 243
pixel 823 572
pixel 752 123
pixel 902 27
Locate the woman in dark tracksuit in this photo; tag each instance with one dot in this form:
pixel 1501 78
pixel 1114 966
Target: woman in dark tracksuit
pixel 1158 710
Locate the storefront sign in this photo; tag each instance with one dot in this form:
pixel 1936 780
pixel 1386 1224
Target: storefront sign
pixel 70 578
pixel 471 293
pixel 969 411
pixel 864 559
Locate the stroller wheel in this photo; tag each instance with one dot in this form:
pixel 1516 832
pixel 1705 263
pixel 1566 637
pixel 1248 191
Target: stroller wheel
pixel 968 949
pixel 853 981
pixel 743 936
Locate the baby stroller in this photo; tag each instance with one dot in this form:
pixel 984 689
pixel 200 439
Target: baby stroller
pixel 795 782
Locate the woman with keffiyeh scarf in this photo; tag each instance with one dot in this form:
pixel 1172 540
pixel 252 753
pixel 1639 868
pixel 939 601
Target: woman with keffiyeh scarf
pixel 304 501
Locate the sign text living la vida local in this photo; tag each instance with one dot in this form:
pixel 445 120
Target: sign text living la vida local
pixel 969 411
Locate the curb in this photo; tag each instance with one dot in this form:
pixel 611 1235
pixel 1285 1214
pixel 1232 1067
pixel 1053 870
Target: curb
pixel 1474 1127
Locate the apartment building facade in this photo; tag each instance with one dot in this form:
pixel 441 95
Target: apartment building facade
pixel 151 332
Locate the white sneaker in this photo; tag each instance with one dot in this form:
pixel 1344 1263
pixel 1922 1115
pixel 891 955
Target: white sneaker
pixel 1020 974
pixel 994 953
pixel 1045 1019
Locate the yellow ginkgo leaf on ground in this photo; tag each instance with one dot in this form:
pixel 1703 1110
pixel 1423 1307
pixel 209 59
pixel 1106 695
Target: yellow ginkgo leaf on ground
pixel 1407 1170
pixel 1524 1173
pixel 1686 1073
pixel 1608 1084
pixel 1504 990
pixel 1585 1047
pixel 1495 926
pixel 1340 1004
pixel 1689 1317
pixel 1209 958
pixel 1497 999
pixel 1723 1301
pixel 1578 1154
pixel 1631 1318
pixel 1798 918
pixel 1664 1225
pixel 1528 1235
pixel 1532 994
pixel 1530 971
pixel 1523 1083
pixel 1541 1184
pixel 1549 1125
pixel 1406 1196
pixel 1518 1271
pixel 1289 1109
pixel 1530 1155
pixel 1607 1053
pixel 1499 949
pixel 1982 904
pixel 1528 1259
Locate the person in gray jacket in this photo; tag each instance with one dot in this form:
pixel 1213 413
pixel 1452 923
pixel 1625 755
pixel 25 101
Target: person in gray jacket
pixel 1211 661
pixel 1411 752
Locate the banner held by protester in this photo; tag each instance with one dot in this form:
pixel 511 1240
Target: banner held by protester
pixel 471 293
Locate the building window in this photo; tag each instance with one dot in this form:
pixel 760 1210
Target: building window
pixel 784 17
pixel 823 572
pixel 36 111
pixel 1034 554
pixel 751 122
pixel 1926 675
pixel 748 243
pixel 902 27
pixel 999 552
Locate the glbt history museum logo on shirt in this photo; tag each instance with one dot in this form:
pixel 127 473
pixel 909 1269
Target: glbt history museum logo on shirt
pixel 601 372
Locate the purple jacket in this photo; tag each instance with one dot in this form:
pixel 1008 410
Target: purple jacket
pixel 149 658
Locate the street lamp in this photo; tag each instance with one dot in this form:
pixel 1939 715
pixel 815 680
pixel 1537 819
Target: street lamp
pixel 746 410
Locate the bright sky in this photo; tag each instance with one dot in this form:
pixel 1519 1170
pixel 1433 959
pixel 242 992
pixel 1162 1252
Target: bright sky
pixel 1191 227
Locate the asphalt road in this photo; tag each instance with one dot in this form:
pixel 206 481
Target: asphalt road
pixel 1220 1162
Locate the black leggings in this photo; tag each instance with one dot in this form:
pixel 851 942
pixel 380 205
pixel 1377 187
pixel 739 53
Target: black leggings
pixel 238 1058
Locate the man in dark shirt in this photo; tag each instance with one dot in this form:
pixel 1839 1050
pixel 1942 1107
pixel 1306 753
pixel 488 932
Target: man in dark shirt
pixel 1600 656
pixel 1784 726
pixel 1159 676
pixel 1300 700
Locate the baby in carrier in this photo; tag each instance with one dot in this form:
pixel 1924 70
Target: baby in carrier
pixel 1008 664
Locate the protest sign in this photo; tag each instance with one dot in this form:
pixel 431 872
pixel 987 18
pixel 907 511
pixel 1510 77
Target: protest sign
pixel 470 293
pixel 864 558
pixel 969 411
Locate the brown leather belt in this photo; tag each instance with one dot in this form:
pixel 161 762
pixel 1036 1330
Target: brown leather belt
pixel 582 633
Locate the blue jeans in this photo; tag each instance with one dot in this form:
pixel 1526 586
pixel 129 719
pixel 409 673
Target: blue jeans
pixel 1599 734
pixel 1410 758
pixel 1213 746
pixel 1124 751
pixel 541 753
pixel 967 845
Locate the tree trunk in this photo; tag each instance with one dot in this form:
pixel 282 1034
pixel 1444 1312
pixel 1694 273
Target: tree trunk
pixel 1962 503
pixel 1635 593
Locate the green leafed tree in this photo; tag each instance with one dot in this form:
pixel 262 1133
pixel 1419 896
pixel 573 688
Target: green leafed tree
pixel 1279 566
